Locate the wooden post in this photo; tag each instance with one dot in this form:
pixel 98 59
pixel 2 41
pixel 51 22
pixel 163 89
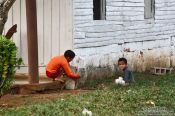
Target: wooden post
pixel 32 41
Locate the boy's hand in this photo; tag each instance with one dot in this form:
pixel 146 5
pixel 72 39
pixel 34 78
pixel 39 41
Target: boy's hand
pixel 77 76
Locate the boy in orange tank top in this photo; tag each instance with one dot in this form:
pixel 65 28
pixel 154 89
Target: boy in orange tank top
pixel 59 65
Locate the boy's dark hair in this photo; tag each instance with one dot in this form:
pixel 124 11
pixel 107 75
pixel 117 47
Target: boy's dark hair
pixel 123 60
pixel 69 53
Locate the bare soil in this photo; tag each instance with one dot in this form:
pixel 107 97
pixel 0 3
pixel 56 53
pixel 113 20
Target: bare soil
pixel 12 101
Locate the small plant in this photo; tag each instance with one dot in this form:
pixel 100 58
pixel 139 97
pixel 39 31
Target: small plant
pixel 8 63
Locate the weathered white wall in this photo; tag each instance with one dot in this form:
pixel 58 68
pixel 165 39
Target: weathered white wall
pixel 102 42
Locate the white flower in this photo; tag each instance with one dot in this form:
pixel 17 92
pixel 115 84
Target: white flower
pixel 120 78
pixel 120 81
pixel 86 112
pixel 151 103
pixel 129 91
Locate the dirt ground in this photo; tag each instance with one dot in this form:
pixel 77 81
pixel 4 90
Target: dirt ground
pixel 17 100
pixel 12 101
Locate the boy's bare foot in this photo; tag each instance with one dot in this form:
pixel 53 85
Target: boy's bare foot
pixel 58 79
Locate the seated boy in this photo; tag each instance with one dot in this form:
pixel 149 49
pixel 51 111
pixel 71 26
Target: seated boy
pixel 59 65
pixel 128 77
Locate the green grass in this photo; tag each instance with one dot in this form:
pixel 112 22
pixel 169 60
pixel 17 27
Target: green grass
pixel 114 101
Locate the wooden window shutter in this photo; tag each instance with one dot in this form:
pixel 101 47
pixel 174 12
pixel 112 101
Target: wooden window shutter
pixel 149 9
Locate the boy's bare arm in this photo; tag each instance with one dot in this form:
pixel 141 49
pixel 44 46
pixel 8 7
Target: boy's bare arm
pixel 69 72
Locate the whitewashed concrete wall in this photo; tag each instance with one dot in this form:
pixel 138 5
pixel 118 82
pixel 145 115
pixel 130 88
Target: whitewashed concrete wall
pixel 54 29
pixel 125 33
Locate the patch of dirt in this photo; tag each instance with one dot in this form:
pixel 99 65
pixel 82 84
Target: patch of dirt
pixel 12 101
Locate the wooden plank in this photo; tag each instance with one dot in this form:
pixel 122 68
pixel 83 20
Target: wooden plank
pixel 24 52
pixel 40 24
pixel 65 25
pixel 55 27
pixel 9 22
pixel 70 23
pixel 47 31
pixel 17 20
pixel 62 26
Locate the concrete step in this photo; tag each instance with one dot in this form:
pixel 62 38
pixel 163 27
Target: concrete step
pixel 25 88
pixel 23 78
pixel 25 81
pixel 21 85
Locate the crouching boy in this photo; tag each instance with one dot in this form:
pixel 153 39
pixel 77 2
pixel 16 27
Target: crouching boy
pixel 128 77
pixel 59 65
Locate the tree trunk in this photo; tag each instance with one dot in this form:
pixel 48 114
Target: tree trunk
pixel 5 6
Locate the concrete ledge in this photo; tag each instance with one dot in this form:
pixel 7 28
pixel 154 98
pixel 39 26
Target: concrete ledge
pixel 25 76
pixel 34 88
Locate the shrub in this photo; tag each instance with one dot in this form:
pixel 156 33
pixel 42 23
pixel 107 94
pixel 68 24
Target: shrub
pixel 8 63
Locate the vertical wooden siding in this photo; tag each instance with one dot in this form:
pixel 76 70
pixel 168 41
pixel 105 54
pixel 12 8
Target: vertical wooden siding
pixel 54 28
